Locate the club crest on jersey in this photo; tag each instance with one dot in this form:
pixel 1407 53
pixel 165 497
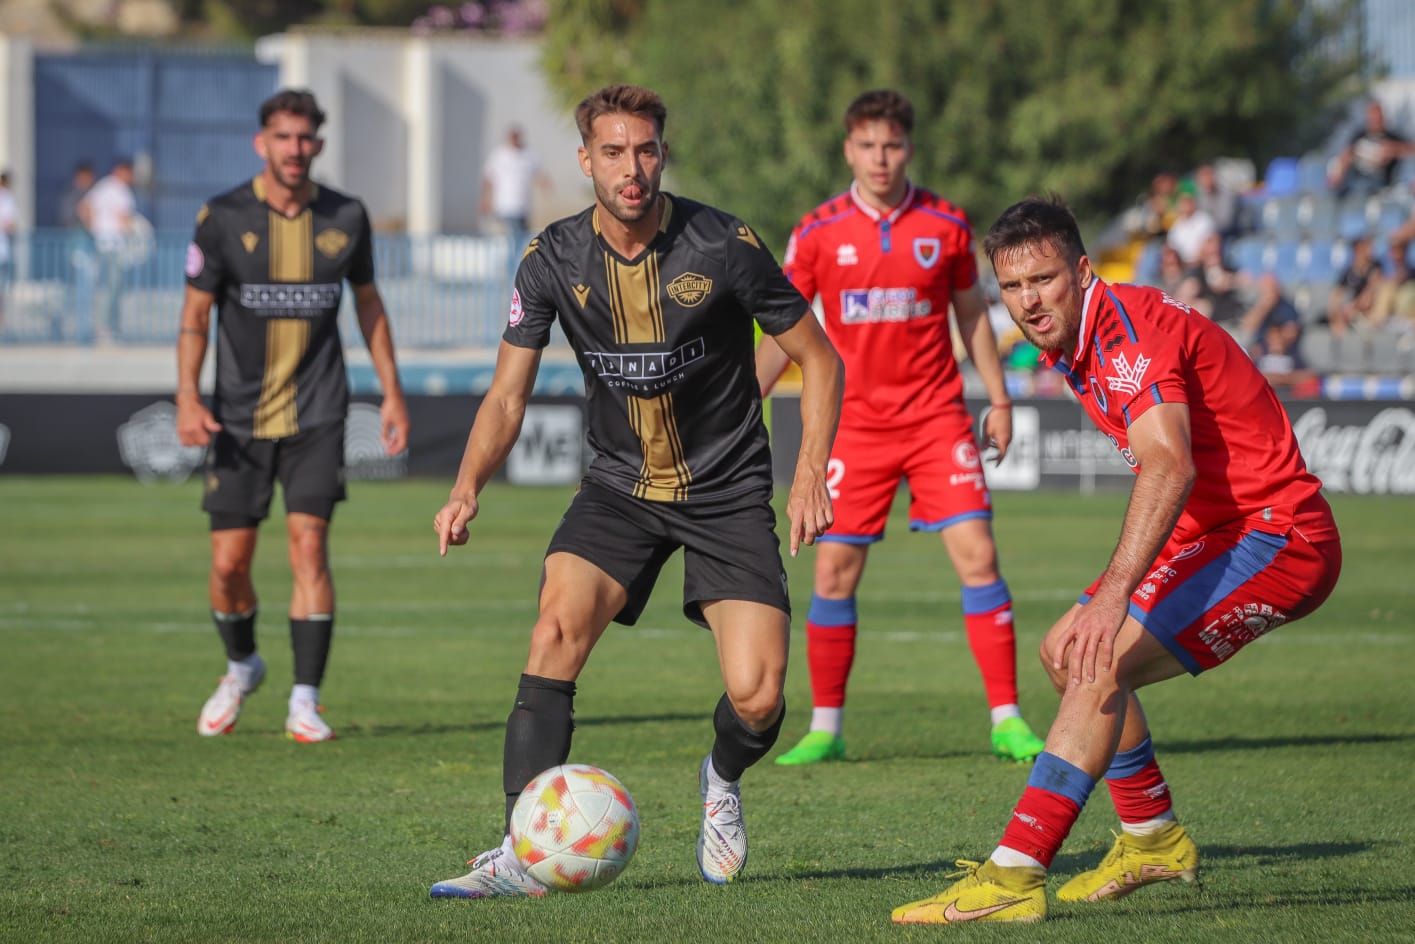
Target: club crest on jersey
pixel 689 289
pixel 926 251
pixel 517 312
pixel 331 242
pixel 1128 377
pixel 1101 400
pixel 846 254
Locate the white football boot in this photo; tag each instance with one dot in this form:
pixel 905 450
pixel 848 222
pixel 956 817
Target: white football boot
pixel 496 873
pixel 219 714
pixel 722 841
pixel 304 724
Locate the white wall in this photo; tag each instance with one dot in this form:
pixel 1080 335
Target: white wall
pixel 17 122
pixel 411 119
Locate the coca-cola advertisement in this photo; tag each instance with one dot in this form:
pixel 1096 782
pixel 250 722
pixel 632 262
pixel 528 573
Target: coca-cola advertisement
pixel 1366 448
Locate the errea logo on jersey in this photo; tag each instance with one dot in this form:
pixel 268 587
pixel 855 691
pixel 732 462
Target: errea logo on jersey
pixel 846 255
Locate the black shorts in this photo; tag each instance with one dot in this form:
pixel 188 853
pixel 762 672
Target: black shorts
pixel 241 475
pixel 730 549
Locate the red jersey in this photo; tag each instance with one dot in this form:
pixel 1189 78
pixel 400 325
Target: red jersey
pixel 1139 347
pixel 885 283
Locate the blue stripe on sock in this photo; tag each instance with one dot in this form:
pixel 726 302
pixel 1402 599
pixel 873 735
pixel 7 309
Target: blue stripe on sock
pixel 1055 775
pixel 825 612
pixel 985 599
pixel 1127 763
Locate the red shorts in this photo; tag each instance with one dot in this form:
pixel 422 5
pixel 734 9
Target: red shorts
pixel 939 459
pixel 1206 599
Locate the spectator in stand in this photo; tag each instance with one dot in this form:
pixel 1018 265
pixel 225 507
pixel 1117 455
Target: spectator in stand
pixel 1216 289
pixel 9 223
pixel 1190 228
pixel 1368 163
pixel 78 187
pixel 1158 212
pixel 1362 298
pixel 509 177
pixel 108 211
pixel 1272 332
pixel 1172 274
pixel 1216 199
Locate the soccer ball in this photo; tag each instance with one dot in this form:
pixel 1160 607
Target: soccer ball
pixel 574 828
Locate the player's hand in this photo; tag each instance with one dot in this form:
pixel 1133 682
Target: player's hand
pixel 451 522
pixel 1088 644
pixel 195 424
pixel 997 432
pixel 393 423
pixel 809 508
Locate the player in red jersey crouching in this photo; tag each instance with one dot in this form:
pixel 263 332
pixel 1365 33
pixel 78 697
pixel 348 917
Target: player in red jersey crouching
pixel 1226 538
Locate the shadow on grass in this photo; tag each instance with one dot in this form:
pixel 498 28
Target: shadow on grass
pixel 499 724
pixel 1068 863
pixel 1260 743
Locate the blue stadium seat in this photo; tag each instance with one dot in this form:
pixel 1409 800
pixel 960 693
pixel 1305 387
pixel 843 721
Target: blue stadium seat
pixel 1288 261
pixel 1312 173
pixel 1247 254
pixel 1317 265
pixel 1279 215
pixel 1317 215
pixel 1281 179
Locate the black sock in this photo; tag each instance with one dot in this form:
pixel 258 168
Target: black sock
pixel 237 632
pixel 310 639
pixel 538 733
pixel 737 746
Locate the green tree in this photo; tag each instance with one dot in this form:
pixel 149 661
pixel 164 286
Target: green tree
pixel 1088 98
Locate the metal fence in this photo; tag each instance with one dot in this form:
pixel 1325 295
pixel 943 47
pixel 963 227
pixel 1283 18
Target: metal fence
pixel 441 291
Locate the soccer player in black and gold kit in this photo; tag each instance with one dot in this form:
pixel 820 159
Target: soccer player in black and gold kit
pixel 273 255
pixel 657 295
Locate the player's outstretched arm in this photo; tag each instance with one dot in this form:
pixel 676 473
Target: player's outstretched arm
pixel 822 386
pixel 195 424
pixel 1159 440
pixel 970 309
pixel 494 432
pixel 378 335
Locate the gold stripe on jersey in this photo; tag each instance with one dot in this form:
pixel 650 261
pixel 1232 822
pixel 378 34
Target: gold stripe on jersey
pixel 286 339
pixel 664 475
pixel 635 306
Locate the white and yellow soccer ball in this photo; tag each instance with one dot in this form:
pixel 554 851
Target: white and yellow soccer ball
pixel 574 828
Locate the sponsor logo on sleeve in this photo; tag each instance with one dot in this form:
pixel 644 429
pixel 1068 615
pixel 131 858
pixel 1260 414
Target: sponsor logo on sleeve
pixel 196 262
pixel 517 312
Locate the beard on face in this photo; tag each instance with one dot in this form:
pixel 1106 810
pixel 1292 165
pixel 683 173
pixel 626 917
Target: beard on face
pixel 609 200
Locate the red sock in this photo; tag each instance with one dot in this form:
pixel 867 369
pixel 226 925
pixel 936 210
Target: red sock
pixel 830 652
pixel 994 648
pixel 1040 824
pixel 1142 796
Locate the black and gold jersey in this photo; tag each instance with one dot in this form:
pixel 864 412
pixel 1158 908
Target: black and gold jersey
pixel 278 282
pixel 666 345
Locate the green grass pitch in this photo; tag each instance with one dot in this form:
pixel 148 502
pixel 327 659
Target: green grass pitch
pixel 1292 766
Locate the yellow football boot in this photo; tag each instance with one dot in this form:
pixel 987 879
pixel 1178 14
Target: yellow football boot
pixel 986 892
pixel 1134 862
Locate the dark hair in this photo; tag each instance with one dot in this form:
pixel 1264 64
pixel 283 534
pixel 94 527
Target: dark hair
pixel 1035 220
pixel 83 167
pixel 295 102
pixel 620 100
pixel 880 105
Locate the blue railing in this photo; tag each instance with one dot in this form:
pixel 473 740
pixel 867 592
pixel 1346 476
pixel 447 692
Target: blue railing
pixel 441 291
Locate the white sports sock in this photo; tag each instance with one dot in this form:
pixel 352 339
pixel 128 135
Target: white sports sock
pixel 1002 712
pixel 828 719
pixel 716 786
pixel 304 693
pixel 1011 858
pixel 1150 826
pixel 244 670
